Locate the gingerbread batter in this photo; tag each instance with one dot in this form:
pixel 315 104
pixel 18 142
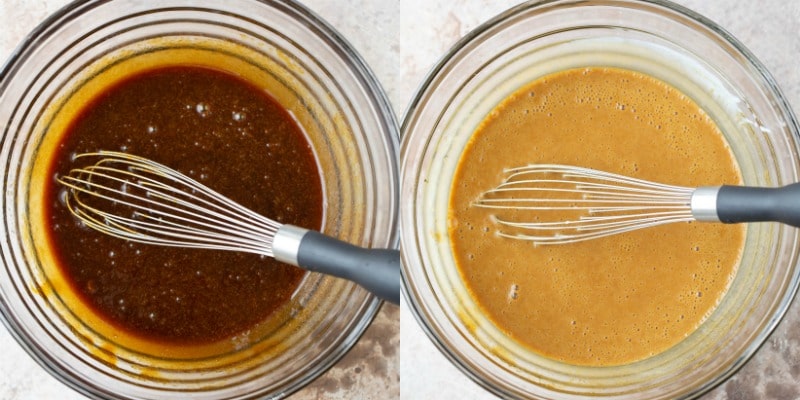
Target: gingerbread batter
pixel 618 299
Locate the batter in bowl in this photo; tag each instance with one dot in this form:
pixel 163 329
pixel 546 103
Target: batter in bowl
pixel 614 300
pixel 224 132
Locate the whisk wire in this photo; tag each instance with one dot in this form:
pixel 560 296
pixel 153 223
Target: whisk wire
pixel 583 186
pixel 606 204
pixel 163 232
pixel 145 166
pixel 569 171
pixel 166 207
pixel 564 238
pixel 142 204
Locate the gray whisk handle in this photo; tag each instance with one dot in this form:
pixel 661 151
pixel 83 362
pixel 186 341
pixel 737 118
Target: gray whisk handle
pixel 377 270
pixel 756 204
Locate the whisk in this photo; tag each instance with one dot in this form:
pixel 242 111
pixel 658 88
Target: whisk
pixel 568 204
pixel 165 207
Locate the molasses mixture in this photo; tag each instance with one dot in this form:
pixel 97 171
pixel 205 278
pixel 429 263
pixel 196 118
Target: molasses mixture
pixel 223 132
pixel 608 301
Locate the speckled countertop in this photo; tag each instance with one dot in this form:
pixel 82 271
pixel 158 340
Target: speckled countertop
pixel 401 41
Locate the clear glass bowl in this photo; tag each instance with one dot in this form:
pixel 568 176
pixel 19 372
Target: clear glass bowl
pixel 308 68
pixel 536 38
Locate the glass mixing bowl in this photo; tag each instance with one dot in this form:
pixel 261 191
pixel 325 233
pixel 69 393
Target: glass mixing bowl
pixel 536 38
pixel 279 46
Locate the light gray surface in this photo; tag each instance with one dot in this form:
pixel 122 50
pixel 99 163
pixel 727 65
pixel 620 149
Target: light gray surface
pixel 401 41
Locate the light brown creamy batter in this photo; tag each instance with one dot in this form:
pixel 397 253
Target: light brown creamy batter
pixel 608 301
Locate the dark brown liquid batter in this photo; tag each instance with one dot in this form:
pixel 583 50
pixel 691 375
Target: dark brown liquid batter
pixel 230 136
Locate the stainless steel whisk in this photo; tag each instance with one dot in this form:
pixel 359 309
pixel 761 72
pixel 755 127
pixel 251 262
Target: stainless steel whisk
pixel 164 207
pixel 605 204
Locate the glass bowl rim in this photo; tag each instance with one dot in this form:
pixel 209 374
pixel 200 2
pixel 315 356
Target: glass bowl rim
pixel 415 304
pixel 374 93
